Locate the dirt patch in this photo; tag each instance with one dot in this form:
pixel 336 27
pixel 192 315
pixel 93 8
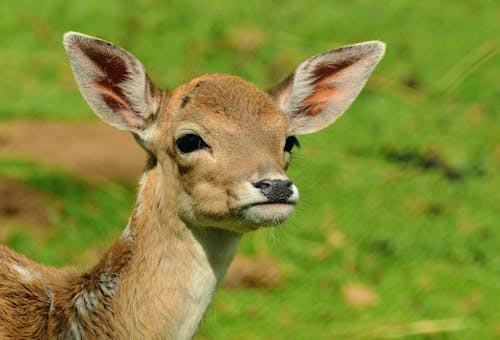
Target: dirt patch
pixel 19 204
pixel 253 272
pixel 359 296
pixel 92 150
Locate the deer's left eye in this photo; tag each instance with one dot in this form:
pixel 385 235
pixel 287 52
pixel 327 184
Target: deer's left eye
pixel 290 142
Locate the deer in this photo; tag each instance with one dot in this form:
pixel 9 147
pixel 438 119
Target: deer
pixel 217 150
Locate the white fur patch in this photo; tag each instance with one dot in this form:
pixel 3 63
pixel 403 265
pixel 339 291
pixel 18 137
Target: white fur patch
pixel 128 235
pixel 24 273
pixel 108 284
pixel 86 302
pixel 75 331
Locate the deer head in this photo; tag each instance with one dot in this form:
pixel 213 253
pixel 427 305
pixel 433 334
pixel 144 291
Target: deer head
pixel 220 145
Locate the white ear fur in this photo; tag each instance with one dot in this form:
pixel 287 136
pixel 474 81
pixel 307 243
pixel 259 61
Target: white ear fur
pixel 322 87
pixel 113 82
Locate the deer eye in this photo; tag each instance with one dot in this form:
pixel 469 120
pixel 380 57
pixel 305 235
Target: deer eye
pixel 190 142
pixel 290 142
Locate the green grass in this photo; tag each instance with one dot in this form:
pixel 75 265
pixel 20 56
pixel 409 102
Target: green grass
pixel 409 176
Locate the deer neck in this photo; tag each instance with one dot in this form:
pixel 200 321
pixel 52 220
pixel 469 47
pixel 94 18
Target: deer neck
pixel 167 271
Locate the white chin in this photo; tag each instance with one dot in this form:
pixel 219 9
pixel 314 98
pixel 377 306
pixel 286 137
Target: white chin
pixel 270 214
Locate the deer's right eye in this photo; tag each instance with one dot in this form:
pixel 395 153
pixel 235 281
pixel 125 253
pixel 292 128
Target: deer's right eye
pixel 190 142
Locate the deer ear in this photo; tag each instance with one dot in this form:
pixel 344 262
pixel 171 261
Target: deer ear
pixel 113 82
pixel 322 87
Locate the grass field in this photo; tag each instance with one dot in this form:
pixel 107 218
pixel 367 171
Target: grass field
pixel 398 231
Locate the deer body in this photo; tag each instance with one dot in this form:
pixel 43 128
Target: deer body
pixel 155 282
pixel 218 149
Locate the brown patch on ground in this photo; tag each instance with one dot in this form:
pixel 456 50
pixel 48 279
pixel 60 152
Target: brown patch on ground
pixel 253 272
pixel 89 149
pixel 19 204
pixel 359 296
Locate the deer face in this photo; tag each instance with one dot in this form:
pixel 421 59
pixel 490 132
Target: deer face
pixel 231 146
pixel 223 144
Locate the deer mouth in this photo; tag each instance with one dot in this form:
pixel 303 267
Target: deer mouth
pixel 273 202
pixel 268 213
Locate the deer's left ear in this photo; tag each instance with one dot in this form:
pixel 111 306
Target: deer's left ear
pixel 322 87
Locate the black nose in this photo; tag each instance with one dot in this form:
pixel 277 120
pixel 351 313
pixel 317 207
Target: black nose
pixel 275 190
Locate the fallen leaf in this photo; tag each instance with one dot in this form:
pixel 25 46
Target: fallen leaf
pixel 359 296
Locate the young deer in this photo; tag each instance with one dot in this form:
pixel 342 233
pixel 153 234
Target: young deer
pixel 218 149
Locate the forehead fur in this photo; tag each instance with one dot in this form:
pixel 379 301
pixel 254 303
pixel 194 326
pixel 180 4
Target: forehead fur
pixel 233 98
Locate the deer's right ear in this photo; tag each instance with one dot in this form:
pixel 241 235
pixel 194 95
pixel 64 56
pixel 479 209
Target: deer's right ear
pixel 113 82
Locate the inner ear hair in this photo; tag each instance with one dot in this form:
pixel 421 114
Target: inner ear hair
pixel 113 82
pixel 322 87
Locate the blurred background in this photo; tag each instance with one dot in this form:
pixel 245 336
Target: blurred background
pixel 397 234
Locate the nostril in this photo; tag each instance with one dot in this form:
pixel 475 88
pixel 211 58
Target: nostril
pixel 263 184
pixel 272 183
pixel 275 190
